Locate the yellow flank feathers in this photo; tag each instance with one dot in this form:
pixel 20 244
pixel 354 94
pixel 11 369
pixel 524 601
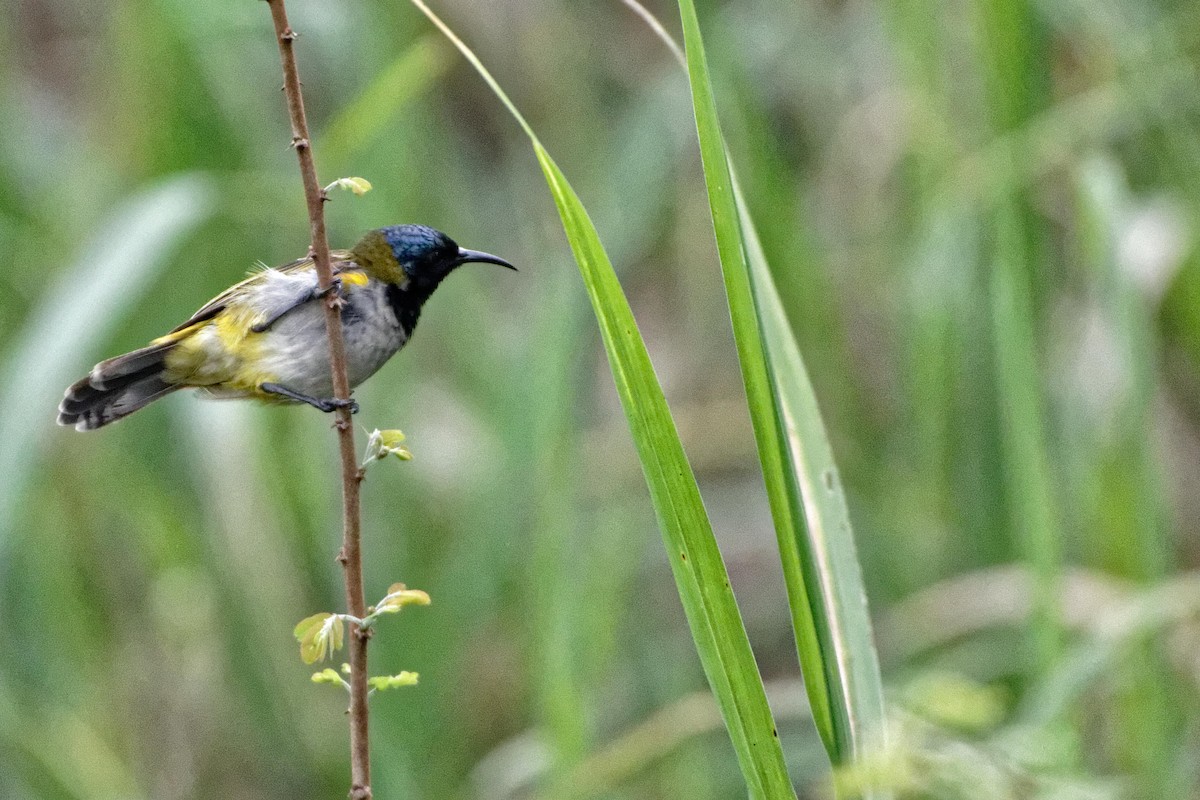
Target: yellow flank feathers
pixel 219 353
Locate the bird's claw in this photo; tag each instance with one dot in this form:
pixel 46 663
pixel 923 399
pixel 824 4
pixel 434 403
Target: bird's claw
pixel 337 298
pixel 334 288
pixel 334 403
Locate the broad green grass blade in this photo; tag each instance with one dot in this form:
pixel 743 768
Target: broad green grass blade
pixel 823 543
pixel 700 575
pixel 825 588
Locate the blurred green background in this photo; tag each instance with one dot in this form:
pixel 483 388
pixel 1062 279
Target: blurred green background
pixel 946 189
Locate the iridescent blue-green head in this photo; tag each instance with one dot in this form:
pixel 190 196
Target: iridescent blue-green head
pixel 415 256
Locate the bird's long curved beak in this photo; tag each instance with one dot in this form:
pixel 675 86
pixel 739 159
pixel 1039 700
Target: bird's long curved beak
pixel 466 256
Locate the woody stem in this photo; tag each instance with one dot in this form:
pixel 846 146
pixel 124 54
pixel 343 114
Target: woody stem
pixel 351 552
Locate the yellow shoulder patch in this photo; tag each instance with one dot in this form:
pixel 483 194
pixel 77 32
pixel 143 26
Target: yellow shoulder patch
pixel 354 278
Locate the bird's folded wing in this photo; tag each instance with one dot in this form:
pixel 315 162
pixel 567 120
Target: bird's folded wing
pixel 265 293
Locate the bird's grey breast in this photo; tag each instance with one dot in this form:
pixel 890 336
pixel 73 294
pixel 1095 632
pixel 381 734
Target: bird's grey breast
pixel 296 348
pixel 373 334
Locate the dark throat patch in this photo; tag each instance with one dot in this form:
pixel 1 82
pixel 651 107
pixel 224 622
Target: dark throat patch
pixel 406 305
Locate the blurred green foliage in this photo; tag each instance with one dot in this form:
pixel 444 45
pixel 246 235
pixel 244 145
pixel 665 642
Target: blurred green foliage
pixel 896 155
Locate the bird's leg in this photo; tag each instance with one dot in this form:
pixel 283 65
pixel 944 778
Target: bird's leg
pixel 312 294
pixel 325 404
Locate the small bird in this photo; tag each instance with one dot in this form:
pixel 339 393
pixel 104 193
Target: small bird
pixel 265 338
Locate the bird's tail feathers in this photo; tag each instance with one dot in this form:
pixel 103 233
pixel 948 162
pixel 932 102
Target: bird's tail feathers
pixel 116 388
pixel 111 371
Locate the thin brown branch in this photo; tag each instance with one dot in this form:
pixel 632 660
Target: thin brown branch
pixel 350 556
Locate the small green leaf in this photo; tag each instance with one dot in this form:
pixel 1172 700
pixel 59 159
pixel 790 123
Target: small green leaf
pixel 381 444
pixel 327 675
pixel 382 682
pixel 307 626
pixel 398 597
pixel 392 437
pixel 359 186
pixel 319 635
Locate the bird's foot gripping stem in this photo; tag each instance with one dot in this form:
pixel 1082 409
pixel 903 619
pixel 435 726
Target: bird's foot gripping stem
pixel 326 404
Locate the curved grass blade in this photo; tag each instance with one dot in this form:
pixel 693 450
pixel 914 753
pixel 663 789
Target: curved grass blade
pixel 700 575
pixel 824 580
pixel 821 546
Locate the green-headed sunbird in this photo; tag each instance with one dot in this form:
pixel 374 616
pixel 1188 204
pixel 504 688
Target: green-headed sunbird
pixel 265 338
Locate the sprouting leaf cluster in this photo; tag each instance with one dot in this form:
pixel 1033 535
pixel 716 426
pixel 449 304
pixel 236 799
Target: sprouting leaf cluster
pixel 381 444
pixel 323 634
